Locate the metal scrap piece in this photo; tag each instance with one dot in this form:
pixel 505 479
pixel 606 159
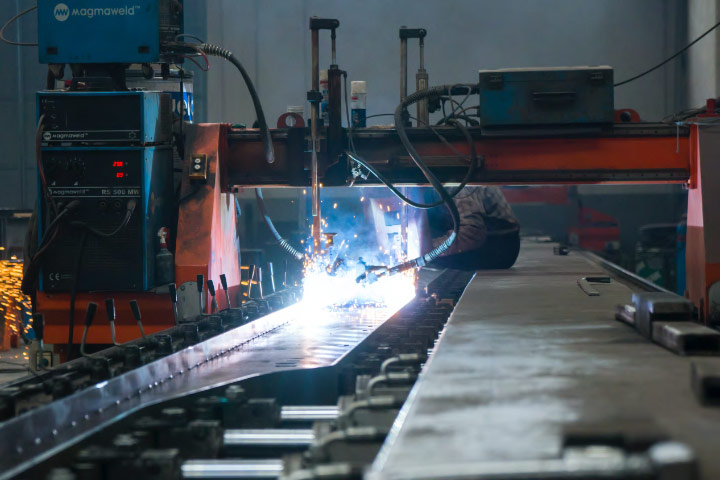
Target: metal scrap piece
pixel 686 338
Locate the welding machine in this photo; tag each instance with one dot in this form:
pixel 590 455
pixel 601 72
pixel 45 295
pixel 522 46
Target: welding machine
pixel 107 31
pixel 104 180
pixel 517 97
pixel 128 118
pixel 106 153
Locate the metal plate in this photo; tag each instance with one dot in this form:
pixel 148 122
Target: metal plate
pixel 290 339
pixel 525 355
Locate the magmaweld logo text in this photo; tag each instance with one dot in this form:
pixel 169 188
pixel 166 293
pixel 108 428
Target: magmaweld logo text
pixel 62 12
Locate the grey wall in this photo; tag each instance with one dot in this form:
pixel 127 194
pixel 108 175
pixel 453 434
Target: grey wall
pixel 20 76
pixel 271 38
pixel 703 79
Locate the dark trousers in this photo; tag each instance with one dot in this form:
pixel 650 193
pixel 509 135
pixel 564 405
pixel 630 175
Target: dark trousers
pixel 498 252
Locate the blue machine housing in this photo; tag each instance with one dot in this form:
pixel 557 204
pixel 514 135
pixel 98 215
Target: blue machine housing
pixel 104 179
pixel 105 117
pixel 105 31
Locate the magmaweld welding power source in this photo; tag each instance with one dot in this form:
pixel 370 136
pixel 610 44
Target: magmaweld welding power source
pixel 106 31
pixel 106 150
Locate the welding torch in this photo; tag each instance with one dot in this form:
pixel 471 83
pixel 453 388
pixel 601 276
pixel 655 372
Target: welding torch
pixel 314 96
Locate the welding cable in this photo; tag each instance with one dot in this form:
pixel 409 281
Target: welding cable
pixel 87 229
pixel 132 203
pixel 354 156
pixel 468 176
pixel 264 133
pixel 283 243
pixel 218 51
pixel 672 57
pixel 439 188
pixel 89 315
pixel 73 294
pixel 463 111
pixel 7 24
pixel 31 271
pixel 41 169
pixel 52 229
pixel 454 103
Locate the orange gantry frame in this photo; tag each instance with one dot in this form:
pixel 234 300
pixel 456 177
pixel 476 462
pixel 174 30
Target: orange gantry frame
pixel 207 241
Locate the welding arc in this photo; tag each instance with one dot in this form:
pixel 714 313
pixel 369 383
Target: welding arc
pixel 264 133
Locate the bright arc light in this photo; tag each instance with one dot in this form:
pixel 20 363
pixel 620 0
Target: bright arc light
pixel 322 291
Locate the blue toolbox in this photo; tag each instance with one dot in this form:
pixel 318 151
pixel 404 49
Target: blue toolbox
pixel 522 97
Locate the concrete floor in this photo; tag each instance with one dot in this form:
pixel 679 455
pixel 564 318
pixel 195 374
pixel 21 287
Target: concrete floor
pixel 528 354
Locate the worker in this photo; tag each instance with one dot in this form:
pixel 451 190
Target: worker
pixel 489 235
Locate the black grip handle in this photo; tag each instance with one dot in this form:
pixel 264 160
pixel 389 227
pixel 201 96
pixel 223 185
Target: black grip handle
pixel 323 23
pixel 90 313
pixel 211 287
pixel 172 289
pixel 554 97
pixel 200 282
pixel 135 310
pixel 223 281
pixel 39 325
pixel 110 309
pixel 406 33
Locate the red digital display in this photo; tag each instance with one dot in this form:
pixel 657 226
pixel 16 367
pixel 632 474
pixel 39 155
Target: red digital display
pixel 118 164
pixel 119 174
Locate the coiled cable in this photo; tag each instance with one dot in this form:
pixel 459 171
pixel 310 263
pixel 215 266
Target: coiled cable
pixel 218 51
pixel 431 178
pixel 283 243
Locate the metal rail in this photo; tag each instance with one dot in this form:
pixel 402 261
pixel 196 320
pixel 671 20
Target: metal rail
pixel 232 468
pixel 309 413
pixel 39 434
pixel 627 275
pixel 281 437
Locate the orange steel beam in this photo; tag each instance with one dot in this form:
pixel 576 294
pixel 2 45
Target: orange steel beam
pixel 530 160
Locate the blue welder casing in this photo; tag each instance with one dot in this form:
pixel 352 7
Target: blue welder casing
pixel 104 150
pixel 105 117
pixel 105 31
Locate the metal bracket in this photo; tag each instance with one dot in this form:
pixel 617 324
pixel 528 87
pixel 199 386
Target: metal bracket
pixel 188 303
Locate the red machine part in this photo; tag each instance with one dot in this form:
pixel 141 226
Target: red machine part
pixel 595 230
pixel 207 240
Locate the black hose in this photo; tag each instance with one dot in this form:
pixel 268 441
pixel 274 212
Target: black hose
pixel 439 188
pixel 468 176
pixel 283 243
pixel 264 130
pixel 126 219
pixel 264 133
